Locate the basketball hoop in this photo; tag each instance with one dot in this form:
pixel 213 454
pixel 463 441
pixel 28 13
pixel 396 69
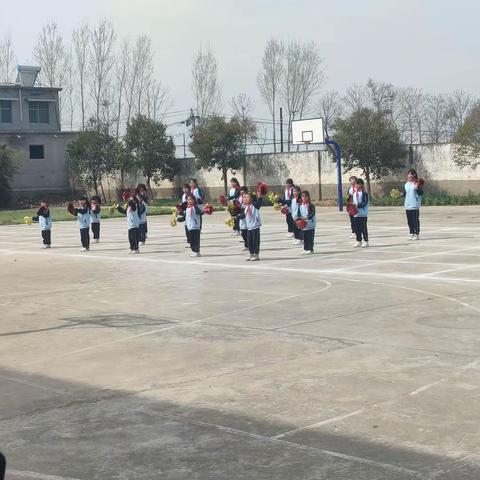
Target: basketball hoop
pixel 308 131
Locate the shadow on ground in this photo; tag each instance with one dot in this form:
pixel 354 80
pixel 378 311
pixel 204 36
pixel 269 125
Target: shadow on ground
pixel 72 430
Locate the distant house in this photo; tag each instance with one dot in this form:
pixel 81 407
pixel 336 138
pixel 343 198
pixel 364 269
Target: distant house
pixel 30 122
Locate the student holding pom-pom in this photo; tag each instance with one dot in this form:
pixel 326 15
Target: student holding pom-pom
pixel 44 219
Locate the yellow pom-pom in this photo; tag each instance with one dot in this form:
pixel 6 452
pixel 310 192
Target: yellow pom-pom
pixel 230 222
pixel 277 206
pixel 395 193
pixel 272 197
pixel 27 220
pixel 174 210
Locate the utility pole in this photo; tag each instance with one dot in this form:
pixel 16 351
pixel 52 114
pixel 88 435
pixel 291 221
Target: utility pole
pixel 281 129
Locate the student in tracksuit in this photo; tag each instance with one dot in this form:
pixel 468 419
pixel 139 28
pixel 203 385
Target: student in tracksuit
pixel 95 218
pixel 186 191
pixel 413 201
pixel 83 217
pixel 142 190
pixel 197 191
pixel 361 200
pixel 287 199
pixel 251 214
pixel 193 222
pixel 142 219
pixel 306 210
pixel 351 191
pixel 242 222
pixel 132 223
pixel 44 219
pixel 234 194
pixel 293 203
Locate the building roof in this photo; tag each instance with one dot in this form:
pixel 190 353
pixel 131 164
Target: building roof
pixel 15 86
pixel 27 78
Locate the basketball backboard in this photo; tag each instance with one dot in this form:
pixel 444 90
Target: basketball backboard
pixel 307 131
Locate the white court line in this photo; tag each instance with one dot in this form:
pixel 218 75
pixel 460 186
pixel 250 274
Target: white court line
pixel 301 446
pixel 413 257
pixel 464 267
pixel 201 263
pixel 179 325
pixel 473 364
pixel 25 475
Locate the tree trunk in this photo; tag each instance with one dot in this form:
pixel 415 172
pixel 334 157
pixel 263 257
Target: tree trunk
pixel 95 185
pixel 369 187
pixel 149 188
pixel 274 127
pixel 122 178
pixel 225 173
pixel 103 192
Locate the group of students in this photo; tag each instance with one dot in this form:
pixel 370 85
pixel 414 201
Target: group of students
pixel 358 202
pixel 244 207
pixel 297 206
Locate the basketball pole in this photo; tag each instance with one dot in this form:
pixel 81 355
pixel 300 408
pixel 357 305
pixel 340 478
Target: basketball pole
pixel 339 172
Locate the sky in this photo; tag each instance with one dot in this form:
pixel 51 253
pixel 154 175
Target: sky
pixel 433 45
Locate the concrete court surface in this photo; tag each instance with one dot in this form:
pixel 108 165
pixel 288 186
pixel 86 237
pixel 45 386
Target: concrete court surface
pixel 356 364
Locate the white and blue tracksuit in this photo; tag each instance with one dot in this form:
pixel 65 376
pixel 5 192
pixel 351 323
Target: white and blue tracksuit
pixel 253 222
pixel 308 213
pixel 184 202
pixel 44 219
pixel 351 191
pixel 95 217
pixel 193 223
pixel 413 202
pixel 295 204
pixel 198 194
pixel 361 201
pixel 83 218
pixel 142 211
pixel 234 194
pixel 133 223
pixel 287 201
pixel 242 225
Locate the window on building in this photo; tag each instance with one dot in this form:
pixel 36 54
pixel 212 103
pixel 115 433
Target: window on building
pixel 37 152
pixel 5 111
pixel 38 112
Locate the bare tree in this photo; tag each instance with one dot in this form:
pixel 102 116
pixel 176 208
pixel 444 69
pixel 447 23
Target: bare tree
pixel 460 104
pixel 302 78
pixel 7 59
pixel 157 100
pixel 69 91
pixel 356 98
pixel 261 137
pixel 381 95
pixel 206 89
pixel 312 75
pixel 242 106
pixel 144 55
pixel 269 79
pixel 412 114
pixel 50 53
pixel 133 64
pixel 436 118
pixel 330 108
pixel 122 64
pixel 101 59
pixel 80 59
